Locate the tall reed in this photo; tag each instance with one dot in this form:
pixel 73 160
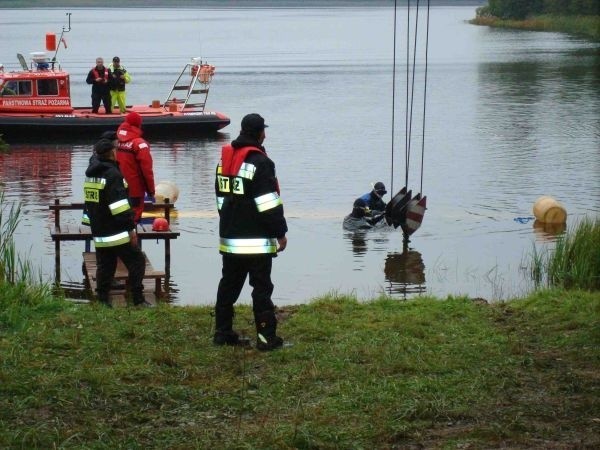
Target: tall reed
pixel 9 220
pixel 19 288
pixel 575 260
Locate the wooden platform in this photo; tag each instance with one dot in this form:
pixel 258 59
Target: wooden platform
pixel 152 280
pixel 62 232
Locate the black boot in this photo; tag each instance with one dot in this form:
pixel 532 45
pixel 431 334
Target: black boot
pixel 103 299
pixel 140 301
pixel 266 331
pixel 224 334
pixel 226 338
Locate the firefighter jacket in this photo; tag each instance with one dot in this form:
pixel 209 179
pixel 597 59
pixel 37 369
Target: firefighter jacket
pixel 248 201
pixel 135 161
pixel 107 209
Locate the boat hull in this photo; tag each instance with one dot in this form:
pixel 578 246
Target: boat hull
pixel 84 122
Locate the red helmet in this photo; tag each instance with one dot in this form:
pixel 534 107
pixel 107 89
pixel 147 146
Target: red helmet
pixel 160 224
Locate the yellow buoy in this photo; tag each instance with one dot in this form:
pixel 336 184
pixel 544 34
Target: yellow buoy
pixel 547 210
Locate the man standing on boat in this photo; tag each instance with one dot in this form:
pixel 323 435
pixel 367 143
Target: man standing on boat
pixel 252 231
pixel 119 77
pixel 135 161
pixel 98 78
pixel 111 220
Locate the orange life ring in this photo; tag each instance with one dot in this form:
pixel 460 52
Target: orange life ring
pixel 206 72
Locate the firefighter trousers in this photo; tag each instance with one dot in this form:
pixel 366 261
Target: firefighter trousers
pixel 106 265
pixel 235 270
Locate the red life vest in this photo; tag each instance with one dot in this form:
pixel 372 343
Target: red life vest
pixel 97 74
pixel 232 159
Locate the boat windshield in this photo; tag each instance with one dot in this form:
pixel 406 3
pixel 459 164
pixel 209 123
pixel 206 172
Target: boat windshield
pixel 47 87
pixel 22 87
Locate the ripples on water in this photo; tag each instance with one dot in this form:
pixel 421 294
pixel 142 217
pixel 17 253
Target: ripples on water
pixel 511 116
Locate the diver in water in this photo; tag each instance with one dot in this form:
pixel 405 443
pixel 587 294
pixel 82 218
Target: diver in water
pixel 360 218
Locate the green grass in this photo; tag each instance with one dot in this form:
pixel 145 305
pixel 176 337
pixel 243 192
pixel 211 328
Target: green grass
pixel 587 26
pixel 380 374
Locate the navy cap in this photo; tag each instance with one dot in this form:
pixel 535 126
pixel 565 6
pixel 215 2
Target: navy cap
pixel 110 135
pixel 253 122
pixel 103 146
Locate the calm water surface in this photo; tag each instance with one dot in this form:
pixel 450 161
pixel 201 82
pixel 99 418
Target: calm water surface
pixel 511 116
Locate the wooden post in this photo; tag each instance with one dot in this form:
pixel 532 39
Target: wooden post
pixel 167 207
pixel 57 243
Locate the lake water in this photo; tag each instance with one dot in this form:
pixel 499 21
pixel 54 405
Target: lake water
pixel 511 116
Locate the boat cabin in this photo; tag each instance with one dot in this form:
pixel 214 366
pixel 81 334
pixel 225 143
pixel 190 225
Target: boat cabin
pixel 38 89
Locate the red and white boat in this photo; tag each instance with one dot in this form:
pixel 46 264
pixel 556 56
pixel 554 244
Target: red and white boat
pixel 36 102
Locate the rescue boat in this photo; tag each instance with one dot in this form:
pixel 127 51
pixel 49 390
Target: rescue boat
pixel 35 101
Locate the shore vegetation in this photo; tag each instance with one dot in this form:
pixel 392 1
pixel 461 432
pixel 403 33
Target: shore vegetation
pixel 577 17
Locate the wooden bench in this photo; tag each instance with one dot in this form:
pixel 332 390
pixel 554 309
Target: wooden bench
pixel 70 232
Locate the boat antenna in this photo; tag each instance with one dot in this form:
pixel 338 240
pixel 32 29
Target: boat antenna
pixel 65 29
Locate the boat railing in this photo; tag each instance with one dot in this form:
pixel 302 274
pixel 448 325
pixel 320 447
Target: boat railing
pixel 190 90
pixel 39 63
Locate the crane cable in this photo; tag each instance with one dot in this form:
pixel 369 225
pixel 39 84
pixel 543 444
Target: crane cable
pixel 410 86
pixel 425 94
pixel 393 100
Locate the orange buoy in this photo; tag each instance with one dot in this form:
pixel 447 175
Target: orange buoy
pixel 206 71
pixel 547 210
pixel 50 42
pixel 548 231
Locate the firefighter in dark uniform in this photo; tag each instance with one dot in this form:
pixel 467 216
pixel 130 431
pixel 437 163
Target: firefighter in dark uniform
pixel 108 213
pixel 252 230
pixel 98 78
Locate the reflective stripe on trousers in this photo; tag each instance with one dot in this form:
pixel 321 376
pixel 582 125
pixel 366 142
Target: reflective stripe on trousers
pixel 253 246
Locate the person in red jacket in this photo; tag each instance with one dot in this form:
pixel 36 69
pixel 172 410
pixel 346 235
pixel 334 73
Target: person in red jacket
pixel 135 162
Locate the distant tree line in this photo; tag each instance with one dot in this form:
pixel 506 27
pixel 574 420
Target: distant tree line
pixel 520 9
